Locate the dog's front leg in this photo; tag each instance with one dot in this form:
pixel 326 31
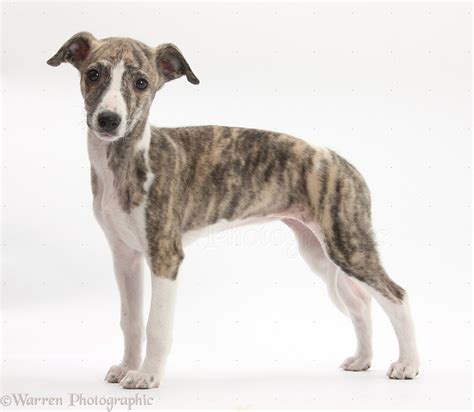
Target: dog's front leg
pixel 128 267
pixel 159 336
pixel 159 327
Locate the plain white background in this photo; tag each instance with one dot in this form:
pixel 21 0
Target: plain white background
pixel 386 85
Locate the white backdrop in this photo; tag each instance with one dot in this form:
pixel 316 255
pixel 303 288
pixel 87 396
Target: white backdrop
pixel 386 85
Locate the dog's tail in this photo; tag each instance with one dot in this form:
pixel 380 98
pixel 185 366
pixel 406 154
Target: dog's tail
pixel 334 293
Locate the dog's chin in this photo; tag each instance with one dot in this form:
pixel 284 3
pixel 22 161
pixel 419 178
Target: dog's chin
pixel 107 137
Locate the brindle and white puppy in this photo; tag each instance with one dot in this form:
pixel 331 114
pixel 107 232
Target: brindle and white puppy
pixel 154 188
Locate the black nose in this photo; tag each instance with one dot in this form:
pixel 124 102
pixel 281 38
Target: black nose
pixel 108 121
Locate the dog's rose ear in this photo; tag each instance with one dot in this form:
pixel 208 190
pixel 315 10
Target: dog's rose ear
pixel 75 50
pixel 171 64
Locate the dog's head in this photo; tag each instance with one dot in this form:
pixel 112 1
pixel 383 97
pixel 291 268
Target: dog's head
pixel 119 78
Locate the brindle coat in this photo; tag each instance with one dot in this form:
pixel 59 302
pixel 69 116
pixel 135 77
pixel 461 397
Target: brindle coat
pixel 189 178
pixel 208 173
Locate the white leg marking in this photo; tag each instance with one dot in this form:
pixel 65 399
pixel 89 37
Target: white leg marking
pixel 408 363
pixel 350 298
pixel 358 302
pixel 128 266
pixel 312 252
pixel 159 336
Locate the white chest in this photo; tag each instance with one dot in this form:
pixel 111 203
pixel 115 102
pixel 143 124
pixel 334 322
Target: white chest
pixel 118 225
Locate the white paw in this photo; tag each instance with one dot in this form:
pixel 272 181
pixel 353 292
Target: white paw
pixel 139 380
pixel 356 363
pixel 402 370
pixel 116 373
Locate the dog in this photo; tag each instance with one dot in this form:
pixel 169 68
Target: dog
pixel 155 189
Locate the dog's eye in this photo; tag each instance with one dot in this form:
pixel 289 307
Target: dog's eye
pixel 93 75
pixel 141 84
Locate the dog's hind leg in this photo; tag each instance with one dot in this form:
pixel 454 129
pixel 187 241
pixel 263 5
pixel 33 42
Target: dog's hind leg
pixel 358 301
pixel 341 220
pixel 348 296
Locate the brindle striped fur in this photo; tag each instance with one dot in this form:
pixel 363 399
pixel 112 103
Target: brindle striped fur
pixel 155 188
pixel 205 174
pixel 208 173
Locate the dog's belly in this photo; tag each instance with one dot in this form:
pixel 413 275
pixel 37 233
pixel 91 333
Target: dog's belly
pixel 222 225
pixel 192 235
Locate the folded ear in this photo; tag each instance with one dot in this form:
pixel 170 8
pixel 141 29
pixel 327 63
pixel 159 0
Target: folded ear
pixel 75 50
pixel 171 64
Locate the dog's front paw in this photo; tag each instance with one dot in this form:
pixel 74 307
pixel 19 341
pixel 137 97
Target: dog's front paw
pixel 402 370
pixel 356 363
pixel 116 373
pixel 139 380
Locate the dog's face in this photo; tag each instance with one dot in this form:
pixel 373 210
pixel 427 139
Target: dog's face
pixel 119 79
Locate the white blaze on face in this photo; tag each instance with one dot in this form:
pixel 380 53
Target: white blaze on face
pixel 113 100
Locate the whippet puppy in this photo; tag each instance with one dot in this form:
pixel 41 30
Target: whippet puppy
pixel 156 188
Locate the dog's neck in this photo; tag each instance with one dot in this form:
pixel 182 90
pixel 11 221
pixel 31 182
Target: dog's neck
pixel 123 163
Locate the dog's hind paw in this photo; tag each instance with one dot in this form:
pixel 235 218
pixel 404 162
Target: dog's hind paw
pixel 356 363
pixel 116 373
pixel 139 380
pixel 402 370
